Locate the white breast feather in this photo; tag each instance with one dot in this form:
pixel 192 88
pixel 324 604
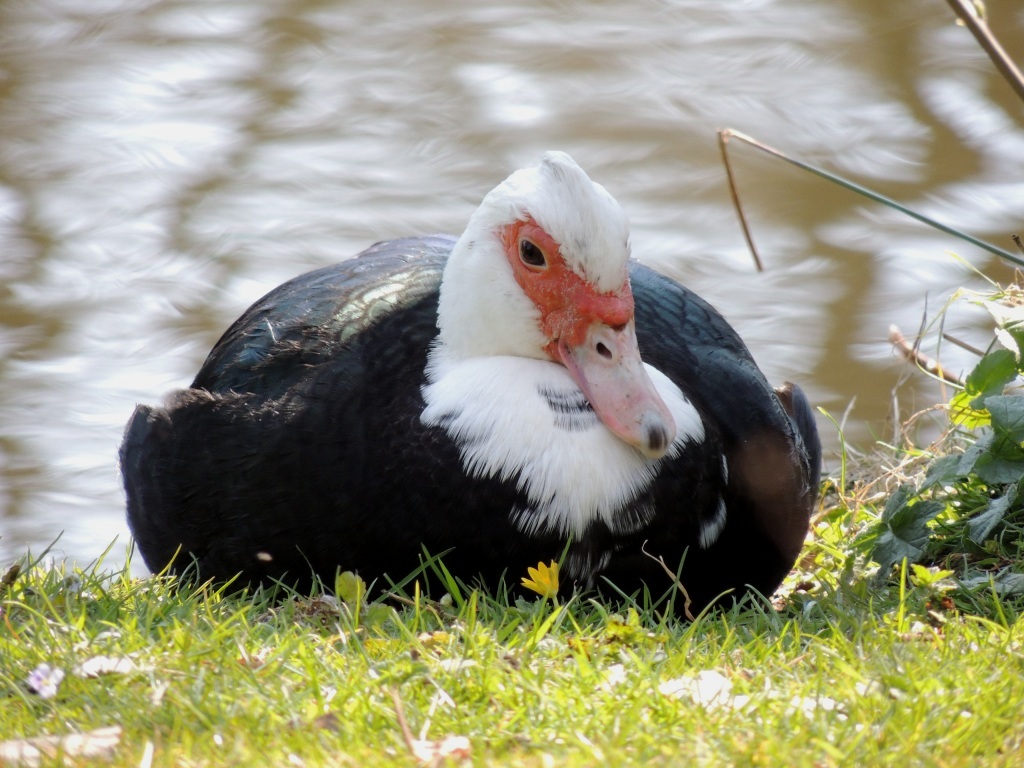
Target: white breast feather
pixel 494 410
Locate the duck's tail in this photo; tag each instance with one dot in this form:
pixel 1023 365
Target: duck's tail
pixel 801 415
pixel 139 464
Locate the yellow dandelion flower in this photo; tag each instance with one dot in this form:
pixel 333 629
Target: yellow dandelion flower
pixel 543 579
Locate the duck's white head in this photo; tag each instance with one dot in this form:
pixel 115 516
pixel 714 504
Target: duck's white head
pixel 541 272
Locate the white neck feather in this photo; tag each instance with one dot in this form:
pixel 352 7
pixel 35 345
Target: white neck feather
pixel 516 415
pixel 526 421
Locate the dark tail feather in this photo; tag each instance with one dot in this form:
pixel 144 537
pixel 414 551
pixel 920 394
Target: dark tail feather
pixel 142 435
pixel 801 414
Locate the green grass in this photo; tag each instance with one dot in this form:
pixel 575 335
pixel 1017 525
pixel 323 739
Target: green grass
pixel 844 671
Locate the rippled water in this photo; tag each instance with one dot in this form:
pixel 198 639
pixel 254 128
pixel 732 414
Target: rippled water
pixel 162 164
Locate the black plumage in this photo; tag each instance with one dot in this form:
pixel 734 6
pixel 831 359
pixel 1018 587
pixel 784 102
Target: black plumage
pixel 299 449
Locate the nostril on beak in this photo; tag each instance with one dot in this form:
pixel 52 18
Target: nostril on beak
pixel 603 351
pixel 657 439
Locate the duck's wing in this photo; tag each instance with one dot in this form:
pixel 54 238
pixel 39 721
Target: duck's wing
pixel 307 320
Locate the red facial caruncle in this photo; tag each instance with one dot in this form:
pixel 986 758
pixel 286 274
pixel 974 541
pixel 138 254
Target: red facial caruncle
pixel 592 334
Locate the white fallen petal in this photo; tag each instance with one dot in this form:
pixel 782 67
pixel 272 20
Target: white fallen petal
pixel 707 688
pixel 808 705
pixel 456 665
pixel 429 751
pixel 441 699
pixel 328 692
pixel 105 665
pixel 614 675
pixel 156 696
pixel 741 701
pixel 32 752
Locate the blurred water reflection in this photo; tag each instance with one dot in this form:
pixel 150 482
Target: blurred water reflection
pixel 164 163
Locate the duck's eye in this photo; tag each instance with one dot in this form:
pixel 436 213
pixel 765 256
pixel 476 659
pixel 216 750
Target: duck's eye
pixel 531 255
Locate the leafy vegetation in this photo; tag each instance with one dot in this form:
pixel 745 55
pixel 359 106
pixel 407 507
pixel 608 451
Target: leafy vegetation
pixel 961 508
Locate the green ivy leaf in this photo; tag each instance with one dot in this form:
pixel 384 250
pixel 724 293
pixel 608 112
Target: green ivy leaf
pixel 1001 466
pixel 998 470
pixel 923 576
pixel 350 589
pixel 905 529
pixel 1007 413
pixel 993 372
pixel 375 614
pixel 979 528
pixel 899 500
pixel 970 457
pixel 962 414
pixel 1005 583
pixel 943 471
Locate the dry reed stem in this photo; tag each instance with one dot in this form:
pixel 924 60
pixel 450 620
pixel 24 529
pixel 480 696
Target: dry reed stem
pixel 914 355
pixel 687 602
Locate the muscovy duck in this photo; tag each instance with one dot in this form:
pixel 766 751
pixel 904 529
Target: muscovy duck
pixel 523 392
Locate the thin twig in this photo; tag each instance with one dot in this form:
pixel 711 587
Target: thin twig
pixel 865 192
pixel 410 740
pixel 723 140
pixel 846 413
pixel 687 602
pixel 969 16
pixel 916 356
pixel 843 420
pixel 897 424
pixel 963 344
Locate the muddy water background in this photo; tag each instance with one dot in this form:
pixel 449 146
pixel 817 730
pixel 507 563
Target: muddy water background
pixel 163 164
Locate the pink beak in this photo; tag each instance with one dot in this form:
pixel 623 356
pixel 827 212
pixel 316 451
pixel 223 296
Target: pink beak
pixel 606 365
